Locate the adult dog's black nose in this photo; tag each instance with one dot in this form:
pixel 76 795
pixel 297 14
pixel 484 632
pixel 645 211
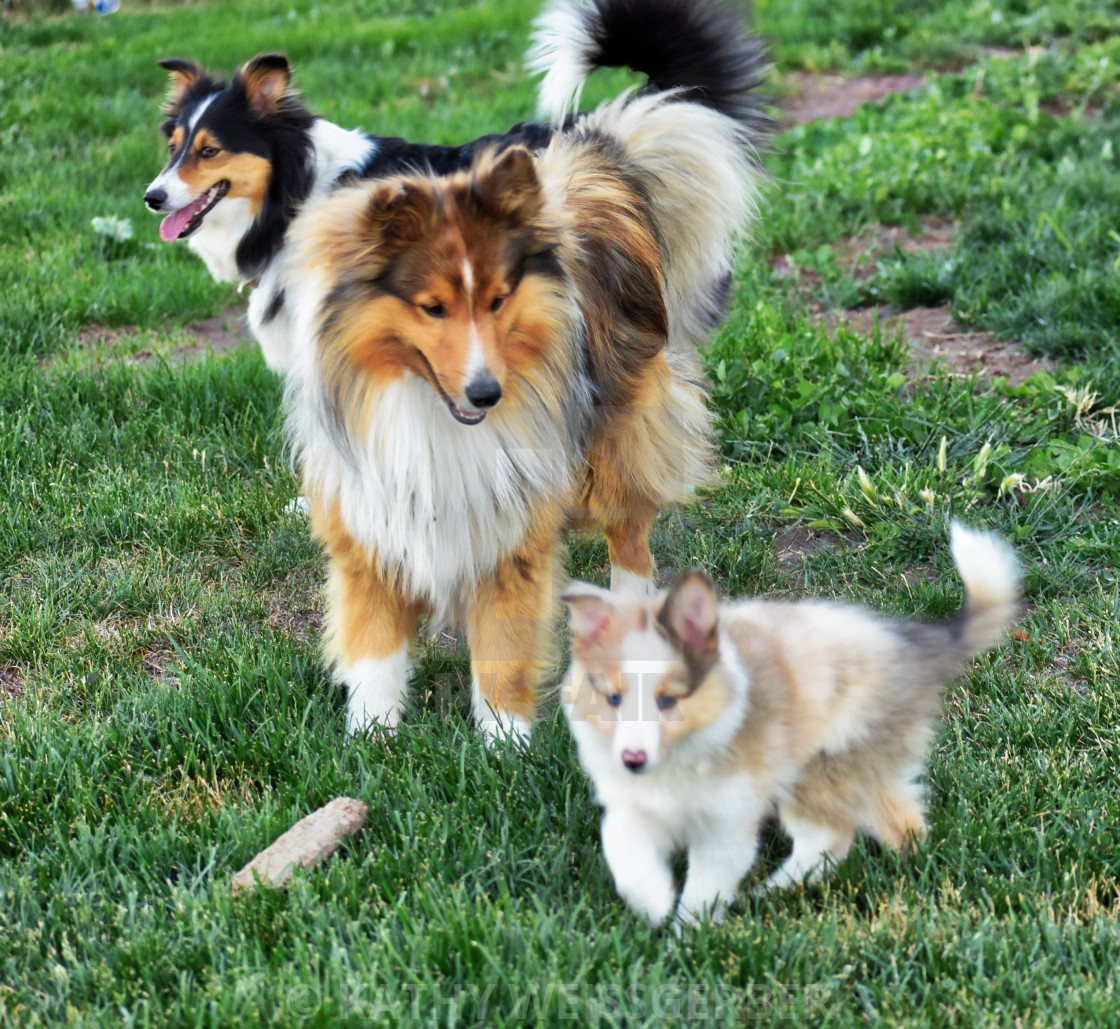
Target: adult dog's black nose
pixel 155 198
pixel 484 392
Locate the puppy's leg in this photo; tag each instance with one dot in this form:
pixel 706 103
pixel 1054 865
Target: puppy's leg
pixel 511 636
pixel 716 866
pixel 638 856
pixel 816 843
pixel 896 817
pixel 368 626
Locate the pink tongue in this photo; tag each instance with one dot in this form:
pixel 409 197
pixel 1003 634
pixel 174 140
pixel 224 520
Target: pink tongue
pixel 174 223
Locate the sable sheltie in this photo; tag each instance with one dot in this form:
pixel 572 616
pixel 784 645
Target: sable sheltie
pixel 246 157
pixel 695 720
pixel 485 357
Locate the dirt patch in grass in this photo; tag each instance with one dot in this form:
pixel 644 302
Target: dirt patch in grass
pixel 794 545
pixel 932 333
pixel 832 96
pixel 858 256
pixel 216 335
pixel 11 682
pixel 295 606
pixel 304 624
pixel 935 339
pixel 859 252
pixel 223 332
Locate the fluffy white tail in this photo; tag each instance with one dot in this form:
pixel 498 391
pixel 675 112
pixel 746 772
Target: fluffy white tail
pixel 991 576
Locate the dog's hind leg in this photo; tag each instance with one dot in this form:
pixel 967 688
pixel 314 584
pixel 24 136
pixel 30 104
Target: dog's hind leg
pixel 628 544
pixel 626 523
pixel 511 638
pixel 896 817
pixel 816 845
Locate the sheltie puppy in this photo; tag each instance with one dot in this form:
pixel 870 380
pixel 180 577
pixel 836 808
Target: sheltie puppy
pixel 695 720
pixel 486 357
pixel 244 158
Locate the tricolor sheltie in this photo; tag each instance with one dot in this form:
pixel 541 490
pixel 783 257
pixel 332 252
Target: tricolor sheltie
pixel 695 719
pixel 484 358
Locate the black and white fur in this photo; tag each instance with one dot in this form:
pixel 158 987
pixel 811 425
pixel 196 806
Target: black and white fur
pixel 310 157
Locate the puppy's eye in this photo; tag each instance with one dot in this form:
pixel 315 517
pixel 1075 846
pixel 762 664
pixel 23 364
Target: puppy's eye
pixel 666 702
pixel 614 699
pixel 496 304
pixel 208 151
pixel 434 310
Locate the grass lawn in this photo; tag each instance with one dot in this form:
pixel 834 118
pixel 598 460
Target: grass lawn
pixel 163 711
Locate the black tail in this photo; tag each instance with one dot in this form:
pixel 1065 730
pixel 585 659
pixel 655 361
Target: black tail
pixel 698 46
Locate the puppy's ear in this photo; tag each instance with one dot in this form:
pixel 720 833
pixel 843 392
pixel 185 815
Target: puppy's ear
pixel 184 74
pixel 690 615
pixel 401 212
pixel 509 187
pixel 591 614
pixel 265 79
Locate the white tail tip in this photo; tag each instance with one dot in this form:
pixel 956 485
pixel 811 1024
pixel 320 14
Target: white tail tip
pixel 986 564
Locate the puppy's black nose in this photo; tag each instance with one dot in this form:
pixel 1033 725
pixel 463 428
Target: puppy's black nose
pixel 155 198
pixel 484 392
pixel 635 760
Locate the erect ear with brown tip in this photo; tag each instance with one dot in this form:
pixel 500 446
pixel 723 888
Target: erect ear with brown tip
pixel 690 615
pixel 184 74
pixel 509 188
pixel 400 211
pixel 591 614
pixel 265 79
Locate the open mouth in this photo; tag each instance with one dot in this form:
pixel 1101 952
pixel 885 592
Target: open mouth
pixel 180 224
pixel 464 417
pixel 461 416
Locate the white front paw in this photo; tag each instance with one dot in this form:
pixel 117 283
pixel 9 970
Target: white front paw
pixel 690 916
pixel 651 898
pixel 375 690
pixel 362 716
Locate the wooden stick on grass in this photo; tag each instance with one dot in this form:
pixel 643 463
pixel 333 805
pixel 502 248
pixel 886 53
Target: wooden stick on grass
pixel 306 844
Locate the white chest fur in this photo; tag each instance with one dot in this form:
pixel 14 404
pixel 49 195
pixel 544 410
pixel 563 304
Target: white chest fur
pixel 440 501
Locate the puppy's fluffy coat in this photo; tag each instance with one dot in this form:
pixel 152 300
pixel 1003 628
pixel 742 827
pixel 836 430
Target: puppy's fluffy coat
pixel 695 720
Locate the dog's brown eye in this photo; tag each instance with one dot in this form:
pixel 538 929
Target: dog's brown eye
pixel 434 310
pixel 208 152
pixel 496 304
pixel 666 702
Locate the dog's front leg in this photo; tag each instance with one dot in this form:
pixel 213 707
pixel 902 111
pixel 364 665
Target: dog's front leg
pixel 511 638
pixel 638 856
pixel 717 863
pixel 368 627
